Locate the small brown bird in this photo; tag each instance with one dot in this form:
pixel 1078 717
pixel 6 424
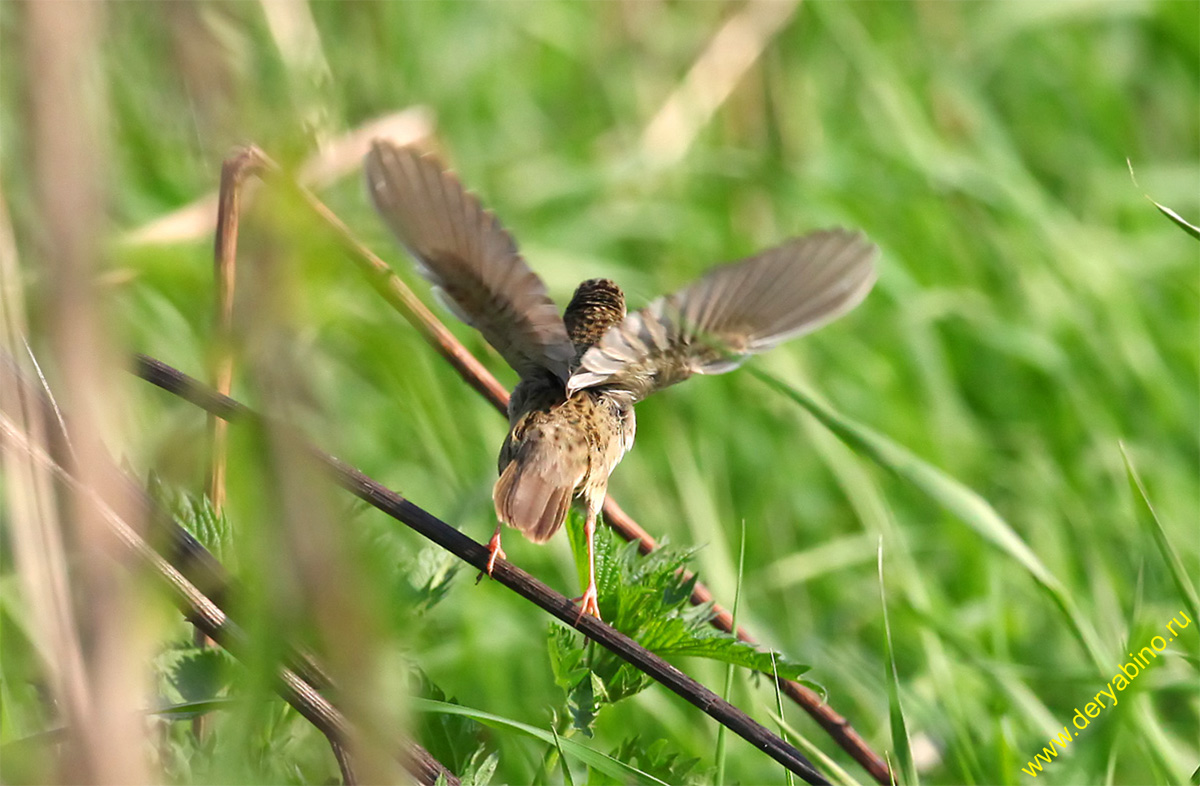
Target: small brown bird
pixel 571 416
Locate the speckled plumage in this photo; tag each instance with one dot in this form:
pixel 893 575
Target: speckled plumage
pixel 596 306
pixel 556 449
pixel 571 416
pixel 560 447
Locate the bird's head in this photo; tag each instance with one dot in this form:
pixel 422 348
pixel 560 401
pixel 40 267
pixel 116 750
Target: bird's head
pixel 597 305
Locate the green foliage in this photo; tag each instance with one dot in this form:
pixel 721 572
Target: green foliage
pixel 1155 529
pixel 200 675
pixel 608 765
pixel 964 503
pixel 1033 312
pixel 1171 215
pixel 901 752
pixel 428 577
pixel 647 599
pixel 196 514
pixel 479 769
pixel 456 740
pixel 658 760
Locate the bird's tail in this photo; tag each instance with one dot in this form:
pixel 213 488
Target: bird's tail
pixel 536 486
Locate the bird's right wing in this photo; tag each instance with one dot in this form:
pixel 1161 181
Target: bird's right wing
pixel 463 249
pixel 733 312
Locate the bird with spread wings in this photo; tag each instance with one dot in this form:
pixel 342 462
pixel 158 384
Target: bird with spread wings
pixel 571 416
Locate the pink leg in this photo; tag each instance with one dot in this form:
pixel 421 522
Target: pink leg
pixel 587 603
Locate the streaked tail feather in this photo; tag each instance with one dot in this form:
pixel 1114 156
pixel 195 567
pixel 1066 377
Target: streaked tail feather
pixel 534 502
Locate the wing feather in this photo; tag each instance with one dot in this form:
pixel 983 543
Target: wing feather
pixel 733 312
pixel 469 256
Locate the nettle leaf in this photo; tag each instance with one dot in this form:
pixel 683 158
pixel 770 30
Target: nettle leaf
pixel 190 675
pixel 658 760
pixel 647 598
pixel 431 575
pixel 196 514
pixel 566 657
pixel 674 636
pixel 455 740
pixel 201 674
pixel 584 699
pixel 480 769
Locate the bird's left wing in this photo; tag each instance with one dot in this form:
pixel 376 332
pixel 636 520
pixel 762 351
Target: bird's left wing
pixel 731 313
pixel 469 256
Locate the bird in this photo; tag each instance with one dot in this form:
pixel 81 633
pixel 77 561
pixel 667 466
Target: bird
pixel 571 415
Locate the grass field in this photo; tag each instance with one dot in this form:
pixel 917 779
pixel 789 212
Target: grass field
pixel 1034 312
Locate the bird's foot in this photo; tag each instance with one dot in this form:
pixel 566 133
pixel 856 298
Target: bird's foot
pixel 494 552
pixel 587 603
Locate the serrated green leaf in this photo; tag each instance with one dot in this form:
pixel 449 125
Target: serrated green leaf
pixel 431 575
pixel 583 701
pixel 648 598
pixel 679 639
pixel 199 675
pixel 659 760
pixel 196 514
pixel 454 740
pixel 480 769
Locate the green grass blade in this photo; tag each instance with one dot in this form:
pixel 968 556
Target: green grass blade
pixel 562 759
pixel 191 709
pixel 900 740
pixel 589 756
pixel 1175 218
pixel 837 774
pixel 964 503
pixel 737 597
pixel 791 780
pixel 1150 522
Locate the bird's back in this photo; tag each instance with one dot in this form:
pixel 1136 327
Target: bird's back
pixel 558 447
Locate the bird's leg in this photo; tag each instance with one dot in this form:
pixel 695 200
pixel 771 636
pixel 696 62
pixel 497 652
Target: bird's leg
pixel 587 603
pixel 494 551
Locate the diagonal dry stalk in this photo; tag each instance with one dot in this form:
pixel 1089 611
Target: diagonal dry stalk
pixel 192 576
pixel 731 52
pixel 385 281
pixel 504 573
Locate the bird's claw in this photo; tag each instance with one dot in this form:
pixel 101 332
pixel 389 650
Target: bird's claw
pixel 587 604
pixel 494 552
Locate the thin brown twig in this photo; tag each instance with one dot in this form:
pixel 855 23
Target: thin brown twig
pixel 399 296
pixel 233 174
pixel 504 573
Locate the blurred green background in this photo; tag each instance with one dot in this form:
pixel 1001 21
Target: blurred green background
pixel 1033 310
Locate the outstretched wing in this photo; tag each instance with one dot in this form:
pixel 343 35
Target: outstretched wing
pixel 731 313
pixel 463 249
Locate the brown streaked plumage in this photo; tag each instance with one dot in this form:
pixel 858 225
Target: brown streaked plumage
pixel 571 415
